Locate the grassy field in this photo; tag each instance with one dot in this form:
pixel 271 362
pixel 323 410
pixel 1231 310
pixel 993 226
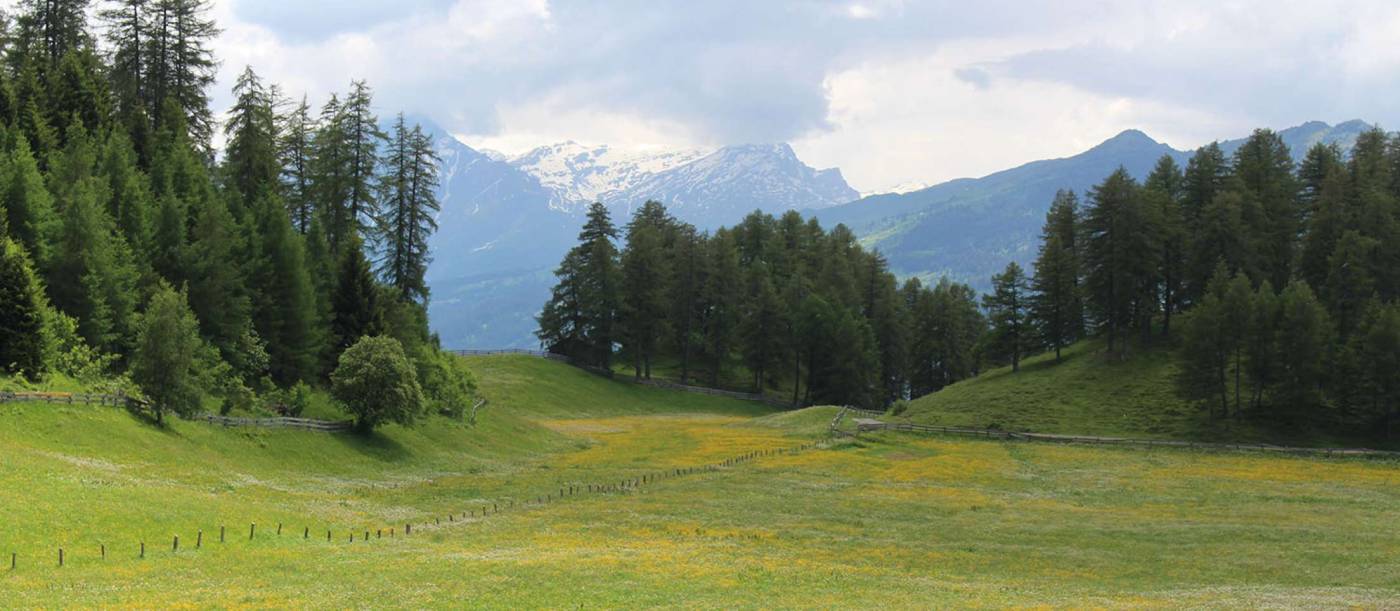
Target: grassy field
pixel 1088 393
pixel 884 521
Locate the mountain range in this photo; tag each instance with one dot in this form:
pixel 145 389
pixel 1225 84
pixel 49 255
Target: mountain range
pixel 506 221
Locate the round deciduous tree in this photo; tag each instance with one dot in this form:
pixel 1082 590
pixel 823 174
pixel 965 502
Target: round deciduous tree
pixel 377 383
pixel 167 343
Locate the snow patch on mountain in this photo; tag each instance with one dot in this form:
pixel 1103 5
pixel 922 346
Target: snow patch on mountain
pixel 580 174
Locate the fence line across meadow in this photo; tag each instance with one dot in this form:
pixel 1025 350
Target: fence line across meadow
pixel 69 398
pixel 911 427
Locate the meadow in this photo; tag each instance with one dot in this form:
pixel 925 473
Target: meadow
pixel 883 520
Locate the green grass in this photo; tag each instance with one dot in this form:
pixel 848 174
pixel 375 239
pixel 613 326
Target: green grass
pixel 885 521
pixel 1089 393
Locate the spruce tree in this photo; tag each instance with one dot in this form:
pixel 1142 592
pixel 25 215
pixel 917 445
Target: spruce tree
pixel 1264 168
pixel 1056 309
pixel 1008 312
pixel 1165 188
pixel 250 159
pixel 721 301
pixel 642 320
pixel 28 206
pixel 687 268
pixel 163 362
pixel 1304 334
pixel 21 312
pixel 408 210
pixel 295 154
pixel 762 321
pixel 355 307
pixel 284 299
pixel 1120 257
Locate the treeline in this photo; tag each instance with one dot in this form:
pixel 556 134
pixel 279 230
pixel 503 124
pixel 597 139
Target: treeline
pixel 1287 278
pixel 779 300
pixel 119 225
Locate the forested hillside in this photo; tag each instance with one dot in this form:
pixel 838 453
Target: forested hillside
pixel 134 254
pixel 1275 286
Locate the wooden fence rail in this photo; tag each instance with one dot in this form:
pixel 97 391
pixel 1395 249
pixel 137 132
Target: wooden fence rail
pixel 308 424
pixel 117 400
pixel 911 427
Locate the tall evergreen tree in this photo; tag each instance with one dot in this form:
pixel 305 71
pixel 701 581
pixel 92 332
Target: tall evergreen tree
pixel 250 158
pixel 284 298
pixel 21 312
pixel 762 320
pixel 295 154
pixel 1008 312
pixel 721 301
pixel 1056 308
pixel 1120 256
pixel 355 307
pixel 642 320
pixel 180 65
pixel 1304 334
pixel 409 207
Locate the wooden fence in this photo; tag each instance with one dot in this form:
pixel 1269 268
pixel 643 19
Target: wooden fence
pixel 115 400
pixel 912 427
pixel 521 351
pixel 308 424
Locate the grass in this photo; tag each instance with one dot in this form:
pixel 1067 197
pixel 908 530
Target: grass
pixel 1089 393
pixel 888 520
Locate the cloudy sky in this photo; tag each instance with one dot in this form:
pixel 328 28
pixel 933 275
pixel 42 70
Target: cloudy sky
pixel 889 91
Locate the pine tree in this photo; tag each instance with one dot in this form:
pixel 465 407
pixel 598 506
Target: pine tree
pixel 562 323
pixel 1207 349
pixel 409 206
pixel 250 159
pixel 90 274
pixel 130 203
pixel 29 209
pixel 52 28
pixel 180 66
pixel 687 268
pixel 1264 168
pixel 1350 283
pixel 1304 334
pixel 1120 257
pixel 217 290
pixel 1165 186
pixel 21 312
pixel 1220 237
pixel 642 320
pixel 362 138
pixel 284 299
pixel 295 154
pixel 1377 344
pixel 721 301
pixel 1056 310
pixel 127 25
pixel 1007 311
pixel 76 95
pixel 762 321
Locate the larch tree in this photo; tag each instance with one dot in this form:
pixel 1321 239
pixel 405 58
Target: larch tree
pixel 1008 312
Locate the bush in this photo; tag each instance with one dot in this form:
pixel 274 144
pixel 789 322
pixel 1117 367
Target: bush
pixel 377 384
pixel 898 407
pixel 292 401
pixel 448 384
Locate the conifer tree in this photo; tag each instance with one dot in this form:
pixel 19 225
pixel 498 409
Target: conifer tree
pixel 180 66
pixel 284 299
pixel 130 202
pixel 687 268
pixel 355 307
pixel 21 312
pixel 1056 309
pixel 1350 283
pixel 721 301
pixel 642 320
pixel 28 206
pixel 762 320
pixel 409 207
pixel 1264 168
pixel 362 139
pixel 1304 334
pixel 1165 186
pixel 1008 312
pixel 250 158
pixel 295 155
pixel 1207 348
pixel 1377 345
pixel 1120 257
pixel 217 290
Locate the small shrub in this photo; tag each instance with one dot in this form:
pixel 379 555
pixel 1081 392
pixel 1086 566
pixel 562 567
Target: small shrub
pixel 898 408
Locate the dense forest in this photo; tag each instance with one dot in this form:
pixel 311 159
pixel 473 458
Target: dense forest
pixel 790 304
pixel 136 254
pixel 1275 286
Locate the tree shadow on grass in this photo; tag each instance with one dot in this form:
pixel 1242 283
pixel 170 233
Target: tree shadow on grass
pixel 375 445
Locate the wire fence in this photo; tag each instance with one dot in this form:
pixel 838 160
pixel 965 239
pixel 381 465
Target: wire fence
pixel 470 512
pixel 864 426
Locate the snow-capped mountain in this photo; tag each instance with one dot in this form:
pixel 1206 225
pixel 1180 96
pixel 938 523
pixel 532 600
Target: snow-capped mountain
pixel 723 186
pixel 901 188
pixel 580 174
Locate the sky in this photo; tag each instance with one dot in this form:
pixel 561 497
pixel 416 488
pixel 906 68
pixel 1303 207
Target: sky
pixel 892 92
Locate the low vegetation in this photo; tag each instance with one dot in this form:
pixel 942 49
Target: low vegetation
pixel 884 520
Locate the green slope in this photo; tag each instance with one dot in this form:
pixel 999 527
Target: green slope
pixel 1088 393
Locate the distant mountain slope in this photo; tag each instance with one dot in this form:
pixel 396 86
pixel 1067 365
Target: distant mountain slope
pixel 722 187
pixel 580 174
pixel 968 229
pixel 506 223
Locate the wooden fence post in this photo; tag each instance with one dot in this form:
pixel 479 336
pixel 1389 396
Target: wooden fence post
pixel 13 556
pixel 407 529
pixel 199 539
pixel 252 527
pixel 221 534
pixel 102 550
pixel 60 556
pixel 175 545
pixel 306 532
pixel 328 536
pixel 279 528
pixel 143 549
